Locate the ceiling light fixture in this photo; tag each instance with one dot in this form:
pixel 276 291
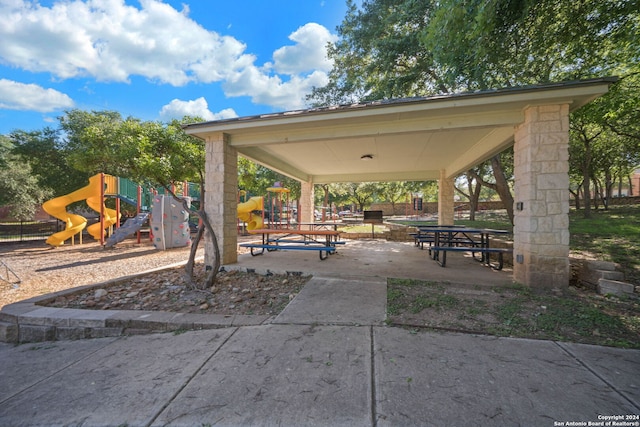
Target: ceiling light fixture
pixel 366 157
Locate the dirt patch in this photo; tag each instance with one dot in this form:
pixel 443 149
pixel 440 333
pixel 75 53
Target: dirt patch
pixel 576 315
pixel 233 293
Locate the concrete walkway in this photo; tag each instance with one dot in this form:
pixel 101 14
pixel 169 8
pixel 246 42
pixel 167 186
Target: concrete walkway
pixel 326 360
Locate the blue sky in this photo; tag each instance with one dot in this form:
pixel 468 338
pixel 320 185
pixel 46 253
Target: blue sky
pixel 156 60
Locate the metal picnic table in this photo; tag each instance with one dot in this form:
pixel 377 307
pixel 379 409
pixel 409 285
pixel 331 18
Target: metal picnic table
pixel 443 239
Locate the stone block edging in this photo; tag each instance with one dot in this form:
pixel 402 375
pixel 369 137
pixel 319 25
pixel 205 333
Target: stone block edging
pixel 31 321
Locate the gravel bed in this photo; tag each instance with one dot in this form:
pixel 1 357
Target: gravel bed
pixel 43 269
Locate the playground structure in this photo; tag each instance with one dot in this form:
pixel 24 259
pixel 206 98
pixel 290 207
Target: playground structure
pixel 101 186
pixel 246 212
pixel 93 193
pixel 279 209
pixel 170 223
pixel 275 213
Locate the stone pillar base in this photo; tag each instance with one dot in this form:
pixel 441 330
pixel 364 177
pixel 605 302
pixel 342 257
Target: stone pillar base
pixel 541 197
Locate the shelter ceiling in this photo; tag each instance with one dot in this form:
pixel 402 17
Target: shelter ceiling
pixel 409 139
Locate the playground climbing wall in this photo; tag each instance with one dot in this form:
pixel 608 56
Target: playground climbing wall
pixel 169 223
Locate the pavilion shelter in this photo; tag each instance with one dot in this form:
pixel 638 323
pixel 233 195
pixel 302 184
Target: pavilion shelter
pixel 416 139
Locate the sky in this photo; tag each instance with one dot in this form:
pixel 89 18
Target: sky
pixel 159 60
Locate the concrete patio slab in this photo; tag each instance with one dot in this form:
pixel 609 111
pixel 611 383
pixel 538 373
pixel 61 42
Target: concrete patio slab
pixel 377 258
pixel 27 366
pixel 616 366
pixel 447 379
pixel 287 375
pixel 128 381
pixel 345 301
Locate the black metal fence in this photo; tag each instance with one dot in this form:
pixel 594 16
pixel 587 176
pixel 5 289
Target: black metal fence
pixel 22 231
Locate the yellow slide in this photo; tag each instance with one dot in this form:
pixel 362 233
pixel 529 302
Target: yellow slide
pixel 76 223
pixel 245 213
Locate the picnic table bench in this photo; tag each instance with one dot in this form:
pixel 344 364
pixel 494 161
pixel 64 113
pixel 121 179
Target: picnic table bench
pixel 426 234
pixel 462 239
pixel 323 241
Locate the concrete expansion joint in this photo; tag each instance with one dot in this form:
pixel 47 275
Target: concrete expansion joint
pixel 602 378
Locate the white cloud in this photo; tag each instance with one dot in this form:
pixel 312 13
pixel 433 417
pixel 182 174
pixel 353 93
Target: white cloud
pixel 111 41
pixel 177 109
pixel 108 40
pixel 298 68
pixel 308 54
pixel 31 97
pixel 272 89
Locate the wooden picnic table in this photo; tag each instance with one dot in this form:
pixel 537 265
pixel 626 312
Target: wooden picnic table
pixel 273 239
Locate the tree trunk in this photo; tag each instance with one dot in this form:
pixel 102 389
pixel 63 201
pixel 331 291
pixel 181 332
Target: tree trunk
pixel 597 193
pixel 576 197
pixel 325 205
pixel 211 272
pixel 620 185
pixel 474 195
pixel 608 188
pixel 502 186
pixel 586 179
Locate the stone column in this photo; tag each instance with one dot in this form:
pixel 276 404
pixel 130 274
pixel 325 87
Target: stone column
pixel 306 202
pixel 445 199
pixel 541 197
pixel 221 186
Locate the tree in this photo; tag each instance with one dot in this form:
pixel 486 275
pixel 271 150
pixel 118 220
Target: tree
pixel 502 176
pixel 361 194
pixel 392 192
pixel 93 141
pixel 48 158
pixel 498 43
pixel 379 54
pixel 147 152
pixel 255 179
pixel 333 195
pixel 503 43
pixel 19 188
pixel 474 186
pixel 605 140
pixel 392 48
pixel 164 155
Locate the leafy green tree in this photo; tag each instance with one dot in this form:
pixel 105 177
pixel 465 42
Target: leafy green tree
pixel 484 44
pixel 391 48
pixel 360 194
pixel 393 192
pixel 605 141
pixel 93 141
pixel 48 157
pixel 164 155
pixel 19 188
pixel 622 110
pixel 333 195
pixel 402 191
pixel 379 54
pixel 255 179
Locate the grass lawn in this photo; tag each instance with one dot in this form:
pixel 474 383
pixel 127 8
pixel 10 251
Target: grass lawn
pixel 576 316
pixel 611 235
